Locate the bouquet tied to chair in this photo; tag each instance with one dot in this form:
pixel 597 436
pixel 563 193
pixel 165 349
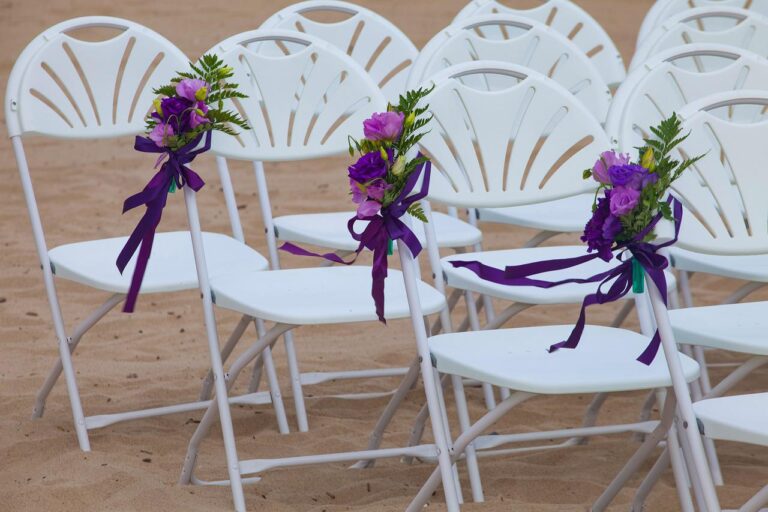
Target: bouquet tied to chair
pixel 630 200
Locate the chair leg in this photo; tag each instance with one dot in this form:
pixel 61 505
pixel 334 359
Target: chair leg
pixel 77 335
pixel 439 384
pixel 274 392
pixel 645 412
pixel 756 501
pixel 229 346
pixel 683 481
pixel 296 388
pixel 590 415
pixel 258 365
pixel 474 324
pixel 419 424
pixel 462 411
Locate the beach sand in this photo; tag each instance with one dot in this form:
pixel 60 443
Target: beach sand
pixel 159 355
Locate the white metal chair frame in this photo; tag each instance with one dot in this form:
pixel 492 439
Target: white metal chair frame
pixel 570 20
pixel 663 9
pixel 686 27
pixel 464 183
pixel 65 87
pixel 371 40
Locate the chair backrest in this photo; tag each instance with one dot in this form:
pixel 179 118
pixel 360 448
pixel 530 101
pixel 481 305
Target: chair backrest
pixel 724 192
pixel 524 144
pixel 733 26
pixel 301 105
pixel 61 86
pixel 567 18
pixel 660 87
pixel 664 9
pixel 529 43
pixel 371 40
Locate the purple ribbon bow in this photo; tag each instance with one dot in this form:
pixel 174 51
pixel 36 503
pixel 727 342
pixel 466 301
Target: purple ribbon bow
pixel 645 254
pixel 173 174
pixel 381 228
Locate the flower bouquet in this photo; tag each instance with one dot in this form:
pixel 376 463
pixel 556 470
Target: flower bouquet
pixel 381 182
pixel 630 200
pixel 189 108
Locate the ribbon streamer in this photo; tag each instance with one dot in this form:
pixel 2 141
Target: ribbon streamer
pixel 623 276
pixel 173 174
pixel 382 228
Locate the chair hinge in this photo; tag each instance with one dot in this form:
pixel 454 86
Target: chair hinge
pixel 700 424
pixel 53 267
pixel 277 233
pixel 433 359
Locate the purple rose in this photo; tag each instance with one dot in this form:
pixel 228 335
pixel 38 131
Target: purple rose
pixel 192 89
pixel 602 229
pixel 369 167
pixel 384 126
pixel 607 160
pixel 623 200
pixel 628 175
pixel 160 133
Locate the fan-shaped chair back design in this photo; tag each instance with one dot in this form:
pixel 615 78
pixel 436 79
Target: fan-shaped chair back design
pixel 371 40
pixel 664 9
pixel 527 143
pixel 66 87
pixel 724 193
pixel 567 18
pixel 301 105
pixel 659 88
pixel 736 27
pixel 530 44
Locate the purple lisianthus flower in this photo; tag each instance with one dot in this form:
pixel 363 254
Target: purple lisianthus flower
pixel 368 208
pixel 357 190
pixel 384 126
pixel 369 167
pixel 602 229
pixel 627 175
pixel 607 160
pixel 377 189
pixel 176 113
pixel 197 115
pixel 623 200
pixel 192 89
pixel 160 133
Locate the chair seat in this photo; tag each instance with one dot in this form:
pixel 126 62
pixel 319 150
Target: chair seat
pixel 320 295
pixel 171 266
pixel 737 327
pixel 605 360
pixel 742 418
pixel 330 230
pixel 568 215
pixel 748 268
pixel 465 279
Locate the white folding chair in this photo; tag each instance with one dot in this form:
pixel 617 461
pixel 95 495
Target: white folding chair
pixel 733 26
pixel 66 87
pixel 326 112
pixel 371 40
pixel 567 18
pixel 727 216
pixel 664 9
pixel 656 90
pixel 605 361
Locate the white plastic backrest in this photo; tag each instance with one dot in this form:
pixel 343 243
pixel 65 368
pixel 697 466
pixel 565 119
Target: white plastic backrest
pixel 66 87
pixel 662 88
pixel 525 144
pixel 371 40
pixel 664 9
pixel 725 192
pixel 301 105
pixel 737 27
pixel 530 43
pixel 568 19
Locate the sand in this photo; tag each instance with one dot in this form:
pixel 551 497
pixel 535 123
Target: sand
pixel 159 355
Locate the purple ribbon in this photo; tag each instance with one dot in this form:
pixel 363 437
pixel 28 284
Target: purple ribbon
pixel 646 254
pixel 382 227
pixel 173 173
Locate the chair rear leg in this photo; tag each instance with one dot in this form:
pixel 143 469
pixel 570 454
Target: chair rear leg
pixel 474 324
pixel 296 388
pixel 229 346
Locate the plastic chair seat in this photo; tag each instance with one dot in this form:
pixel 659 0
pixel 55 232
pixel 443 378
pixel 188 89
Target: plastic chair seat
pixel 465 279
pixel 568 215
pixel 171 267
pixel 737 327
pixel 319 295
pixel 748 268
pixel 330 230
pixel 604 361
pixel 742 418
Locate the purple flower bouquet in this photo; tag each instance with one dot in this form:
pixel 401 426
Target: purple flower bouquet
pixel 381 182
pixel 186 110
pixel 630 200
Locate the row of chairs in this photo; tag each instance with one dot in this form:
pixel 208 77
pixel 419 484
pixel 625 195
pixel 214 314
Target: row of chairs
pixel 266 143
